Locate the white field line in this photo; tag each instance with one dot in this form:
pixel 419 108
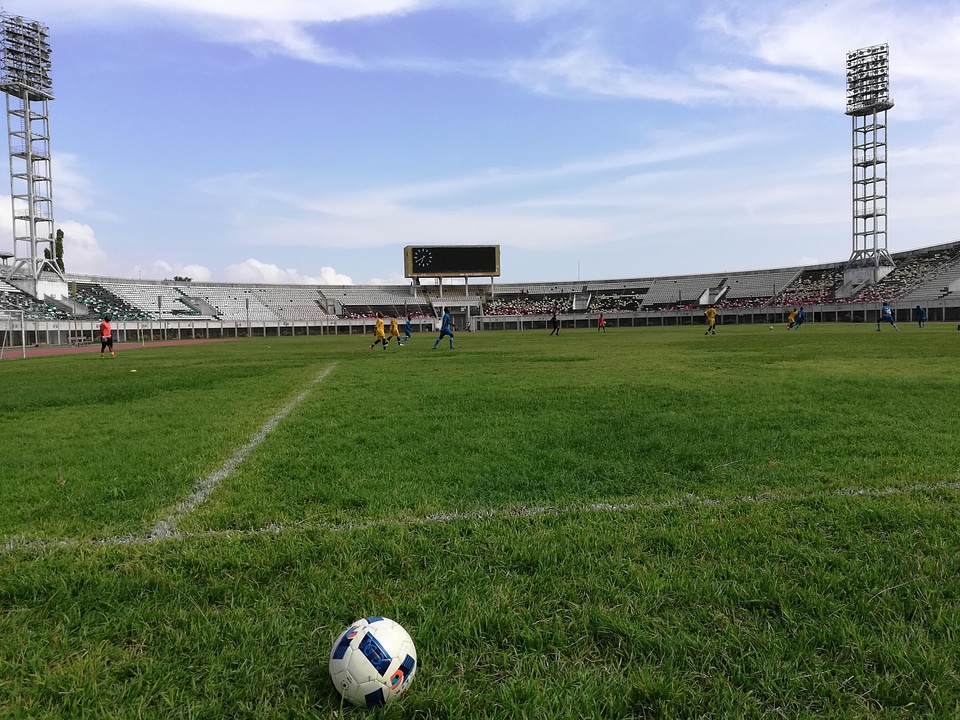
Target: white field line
pixel 201 491
pixel 39 544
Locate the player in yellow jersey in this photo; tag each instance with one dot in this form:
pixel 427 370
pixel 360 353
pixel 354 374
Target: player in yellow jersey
pixel 378 331
pixel 711 313
pixel 792 319
pixel 394 329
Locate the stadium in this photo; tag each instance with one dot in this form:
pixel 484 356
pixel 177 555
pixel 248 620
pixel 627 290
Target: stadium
pixel 638 523
pixel 927 277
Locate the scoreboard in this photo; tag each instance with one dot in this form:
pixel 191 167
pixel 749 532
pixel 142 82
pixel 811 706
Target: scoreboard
pixel 451 260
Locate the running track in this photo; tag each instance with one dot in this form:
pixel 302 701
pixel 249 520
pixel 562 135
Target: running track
pixel 16 353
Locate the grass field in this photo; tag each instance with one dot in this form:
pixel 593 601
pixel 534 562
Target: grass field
pixel 648 523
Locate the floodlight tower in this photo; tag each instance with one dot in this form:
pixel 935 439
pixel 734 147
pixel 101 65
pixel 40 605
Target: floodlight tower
pixel 868 99
pixel 25 79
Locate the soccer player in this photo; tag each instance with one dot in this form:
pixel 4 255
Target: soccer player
pixel 601 324
pixel 792 319
pixel 378 331
pixel 446 330
pixel 406 332
pixel 801 318
pixel 711 313
pixel 555 324
pixel 886 315
pixel 106 337
pixel 394 329
pixel 921 316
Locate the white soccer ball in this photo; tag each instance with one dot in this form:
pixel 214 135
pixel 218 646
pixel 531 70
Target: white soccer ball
pixel 373 662
pixel 771 327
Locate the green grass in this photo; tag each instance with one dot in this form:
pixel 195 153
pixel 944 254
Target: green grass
pixel 647 523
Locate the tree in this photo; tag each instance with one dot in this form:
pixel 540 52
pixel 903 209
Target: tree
pixel 57 249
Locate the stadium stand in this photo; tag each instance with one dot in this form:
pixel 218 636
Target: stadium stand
pixel 681 291
pixel 99 302
pixel 761 285
pixel 358 301
pixel 814 286
pixel 927 276
pixel 912 272
pixel 234 303
pixel 153 299
pixel 293 303
pixel 13 298
pixel 941 286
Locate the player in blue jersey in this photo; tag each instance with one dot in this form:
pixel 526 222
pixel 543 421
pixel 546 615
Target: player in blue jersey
pixel 446 329
pixel 406 332
pixel 801 318
pixel 886 315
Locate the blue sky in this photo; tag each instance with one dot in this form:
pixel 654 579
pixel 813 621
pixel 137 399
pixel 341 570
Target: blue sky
pixel 311 140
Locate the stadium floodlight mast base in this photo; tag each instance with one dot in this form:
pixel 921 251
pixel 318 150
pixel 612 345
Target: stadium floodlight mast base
pixel 25 80
pixel 868 99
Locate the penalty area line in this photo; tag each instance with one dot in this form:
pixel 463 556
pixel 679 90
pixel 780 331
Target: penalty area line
pixel 167 527
pixel 687 500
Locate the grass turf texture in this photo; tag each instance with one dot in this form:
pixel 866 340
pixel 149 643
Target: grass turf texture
pixel 646 523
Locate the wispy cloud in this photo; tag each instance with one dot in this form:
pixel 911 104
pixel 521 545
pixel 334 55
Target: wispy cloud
pixel 294 11
pixel 924 39
pixel 255 271
pixel 506 203
pixel 782 54
pixel 716 76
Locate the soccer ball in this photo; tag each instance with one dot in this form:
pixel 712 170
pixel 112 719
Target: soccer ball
pixel 373 662
pixel 771 327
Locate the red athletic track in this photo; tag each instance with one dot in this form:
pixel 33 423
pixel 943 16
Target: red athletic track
pixel 16 353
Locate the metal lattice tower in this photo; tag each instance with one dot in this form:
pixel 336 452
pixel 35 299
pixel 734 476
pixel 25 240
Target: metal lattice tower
pixel 25 79
pixel 868 99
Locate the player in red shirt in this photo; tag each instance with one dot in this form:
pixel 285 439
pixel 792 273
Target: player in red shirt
pixel 106 337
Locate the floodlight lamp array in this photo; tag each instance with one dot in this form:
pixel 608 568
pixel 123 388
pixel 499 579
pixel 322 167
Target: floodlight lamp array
pixel 25 58
pixel 868 80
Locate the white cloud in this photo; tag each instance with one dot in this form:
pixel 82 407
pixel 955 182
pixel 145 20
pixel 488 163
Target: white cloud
pixel 164 270
pixel 763 87
pixel 393 279
pixel 588 69
pixel 82 253
pixel 72 186
pixel 301 11
pixel 74 192
pixel 329 276
pixel 813 36
pixel 254 271
pixel 198 273
pixel 280 26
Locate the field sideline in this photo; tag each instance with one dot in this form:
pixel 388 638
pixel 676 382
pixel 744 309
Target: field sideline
pixel 642 523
